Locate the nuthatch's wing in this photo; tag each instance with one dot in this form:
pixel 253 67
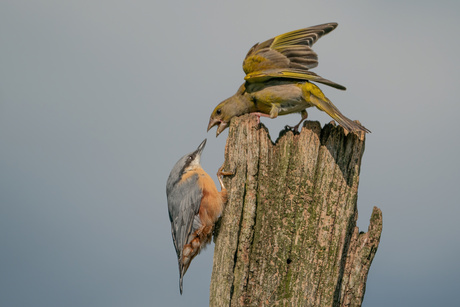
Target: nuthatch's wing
pixel 184 201
pixel 287 55
pixel 184 195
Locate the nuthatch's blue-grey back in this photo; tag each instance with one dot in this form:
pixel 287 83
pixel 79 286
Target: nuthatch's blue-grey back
pixel 194 206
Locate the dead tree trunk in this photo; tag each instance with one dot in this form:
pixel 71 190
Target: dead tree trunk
pixel 288 234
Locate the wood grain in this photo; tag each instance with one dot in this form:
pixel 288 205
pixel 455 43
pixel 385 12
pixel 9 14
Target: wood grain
pixel 288 234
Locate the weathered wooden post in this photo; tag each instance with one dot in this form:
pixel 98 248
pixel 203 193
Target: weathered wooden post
pixel 288 235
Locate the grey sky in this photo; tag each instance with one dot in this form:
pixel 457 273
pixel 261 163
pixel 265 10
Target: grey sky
pixel 99 99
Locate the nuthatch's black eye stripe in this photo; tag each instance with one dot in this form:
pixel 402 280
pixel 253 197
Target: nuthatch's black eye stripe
pixel 189 160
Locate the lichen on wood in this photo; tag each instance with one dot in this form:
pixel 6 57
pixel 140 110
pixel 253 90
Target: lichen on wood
pixel 288 234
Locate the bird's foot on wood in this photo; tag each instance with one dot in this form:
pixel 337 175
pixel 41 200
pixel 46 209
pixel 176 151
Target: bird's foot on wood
pixel 221 173
pixel 294 129
pixel 258 115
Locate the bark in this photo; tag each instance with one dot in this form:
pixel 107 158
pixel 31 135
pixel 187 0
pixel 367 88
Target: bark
pixel 288 234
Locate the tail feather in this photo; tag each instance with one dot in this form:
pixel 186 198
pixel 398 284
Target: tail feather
pixel 196 242
pixel 314 95
pixel 327 106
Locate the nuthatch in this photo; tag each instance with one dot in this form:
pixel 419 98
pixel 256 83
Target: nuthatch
pixel 194 206
pixel 278 81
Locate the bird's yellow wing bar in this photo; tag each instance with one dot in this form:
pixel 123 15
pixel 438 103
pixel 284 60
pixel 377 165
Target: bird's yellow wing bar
pixel 262 76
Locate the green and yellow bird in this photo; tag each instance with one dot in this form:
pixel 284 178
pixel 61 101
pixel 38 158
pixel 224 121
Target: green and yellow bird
pixel 278 81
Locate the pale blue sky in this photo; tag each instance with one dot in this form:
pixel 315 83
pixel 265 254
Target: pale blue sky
pixel 99 99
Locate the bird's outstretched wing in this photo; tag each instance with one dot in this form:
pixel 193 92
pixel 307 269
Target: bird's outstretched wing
pixel 287 55
pixel 183 205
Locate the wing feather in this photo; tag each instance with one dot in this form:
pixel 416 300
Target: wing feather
pixel 284 51
pixel 297 74
pixel 183 205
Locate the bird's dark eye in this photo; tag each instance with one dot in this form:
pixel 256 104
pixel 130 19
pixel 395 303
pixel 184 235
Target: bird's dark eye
pixel 218 111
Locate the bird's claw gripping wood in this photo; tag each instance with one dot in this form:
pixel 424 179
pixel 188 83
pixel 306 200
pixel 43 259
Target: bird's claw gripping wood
pixel 221 173
pixel 295 128
pixel 258 123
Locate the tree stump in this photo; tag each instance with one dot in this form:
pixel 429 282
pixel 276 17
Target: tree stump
pixel 288 234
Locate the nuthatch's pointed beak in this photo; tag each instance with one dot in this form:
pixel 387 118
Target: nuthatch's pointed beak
pixel 200 148
pixel 197 153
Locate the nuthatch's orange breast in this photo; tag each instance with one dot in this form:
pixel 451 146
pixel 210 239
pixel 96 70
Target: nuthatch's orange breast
pixel 211 203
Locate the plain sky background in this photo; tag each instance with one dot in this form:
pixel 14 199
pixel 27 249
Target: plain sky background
pixel 99 99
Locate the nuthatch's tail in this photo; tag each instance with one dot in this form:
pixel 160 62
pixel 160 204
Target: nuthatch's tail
pixel 198 240
pixel 314 95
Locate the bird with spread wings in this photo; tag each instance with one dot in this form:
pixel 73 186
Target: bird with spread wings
pixel 278 81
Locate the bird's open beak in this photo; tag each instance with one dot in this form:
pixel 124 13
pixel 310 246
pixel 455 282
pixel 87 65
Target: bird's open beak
pixel 220 125
pixel 221 128
pixel 212 123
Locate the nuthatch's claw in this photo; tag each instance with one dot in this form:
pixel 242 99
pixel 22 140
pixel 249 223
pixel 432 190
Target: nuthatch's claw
pixel 221 173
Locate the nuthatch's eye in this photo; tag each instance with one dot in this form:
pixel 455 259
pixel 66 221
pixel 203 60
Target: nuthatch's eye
pixel 218 111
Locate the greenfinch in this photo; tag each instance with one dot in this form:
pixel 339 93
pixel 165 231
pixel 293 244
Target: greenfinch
pixel 278 81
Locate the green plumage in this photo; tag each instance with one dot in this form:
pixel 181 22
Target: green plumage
pixel 278 81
